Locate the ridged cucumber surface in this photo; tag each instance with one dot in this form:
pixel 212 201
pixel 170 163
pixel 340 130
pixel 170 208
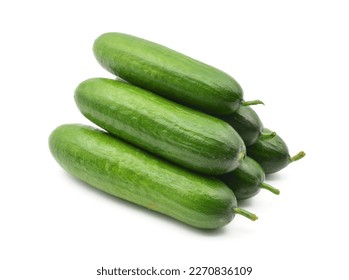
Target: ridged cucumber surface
pixel 247 180
pixel 272 153
pixel 120 169
pixel 247 123
pixel 168 73
pixel 177 133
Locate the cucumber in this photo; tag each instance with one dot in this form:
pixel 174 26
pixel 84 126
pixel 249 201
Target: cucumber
pixel 247 124
pixel 177 133
pixel 168 73
pixel 272 154
pixel 122 170
pixel 247 180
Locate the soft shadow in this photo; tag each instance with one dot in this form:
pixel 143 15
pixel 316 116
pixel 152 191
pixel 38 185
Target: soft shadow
pixel 246 203
pixel 273 177
pixel 89 188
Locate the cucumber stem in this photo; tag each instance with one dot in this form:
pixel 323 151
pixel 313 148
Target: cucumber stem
pixel 297 156
pixel 242 156
pixel 269 188
pixel 252 102
pixel 245 213
pixel 267 135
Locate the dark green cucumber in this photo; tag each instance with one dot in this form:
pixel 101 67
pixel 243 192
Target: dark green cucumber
pixel 120 169
pixel 247 180
pixel 272 154
pixel 247 123
pixel 184 136
pixel 168 73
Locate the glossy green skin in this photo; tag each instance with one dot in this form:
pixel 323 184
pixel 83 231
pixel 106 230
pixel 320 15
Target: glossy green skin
pixel 247 123
pixel 245 181
pixel 120 169
pixel 168 73
pixel 184 136
pixel 271 154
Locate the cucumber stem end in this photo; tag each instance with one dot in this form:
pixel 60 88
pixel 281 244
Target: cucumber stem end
pixel 270 188
pixel 267 135
pixel 245 213
pixel 252 102
pixel 297 156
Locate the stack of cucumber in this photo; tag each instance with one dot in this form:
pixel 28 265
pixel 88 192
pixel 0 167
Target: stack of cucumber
pixel 177 138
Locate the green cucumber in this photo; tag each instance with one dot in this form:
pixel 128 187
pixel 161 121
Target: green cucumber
pixel 247 123
pixel 168 73
pixel 120 169
pixel 272 154
pixel 182 135
pixel 247 180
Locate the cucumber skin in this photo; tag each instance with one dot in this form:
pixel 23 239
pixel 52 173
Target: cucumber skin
pixel 247 124
pixel 271 154
pixel 122 170
pixel 168 73
pixel 189 138
pixel 245 180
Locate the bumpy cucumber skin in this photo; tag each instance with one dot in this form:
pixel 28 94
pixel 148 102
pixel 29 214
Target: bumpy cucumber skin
pixel 271 154
pixel 245 181
pixel 247 123
pixel 168 73
pixel 182 135
pixel 120 169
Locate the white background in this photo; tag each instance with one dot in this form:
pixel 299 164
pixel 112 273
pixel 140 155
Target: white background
pixel 291 54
